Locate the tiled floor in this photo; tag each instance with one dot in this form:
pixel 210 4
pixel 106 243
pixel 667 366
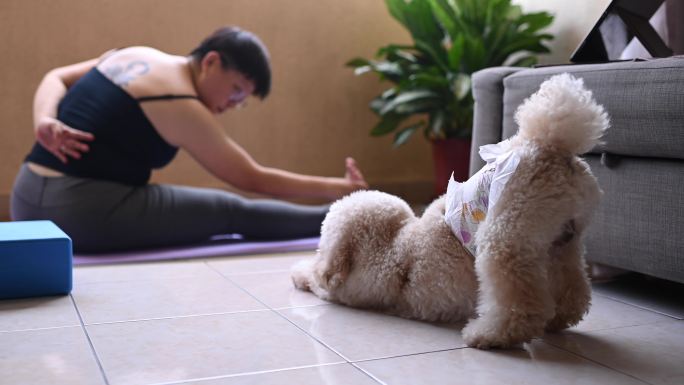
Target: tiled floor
pixel 239 321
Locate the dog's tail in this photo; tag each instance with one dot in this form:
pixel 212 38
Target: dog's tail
pixel 562 114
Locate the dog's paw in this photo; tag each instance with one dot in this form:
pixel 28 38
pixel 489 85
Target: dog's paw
pixel 484 334
pixel 302 274
pixel 559 323
pixel 477 334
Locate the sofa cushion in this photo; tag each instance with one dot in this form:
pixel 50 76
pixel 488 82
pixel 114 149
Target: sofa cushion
pixel 638 225
pixel 645 100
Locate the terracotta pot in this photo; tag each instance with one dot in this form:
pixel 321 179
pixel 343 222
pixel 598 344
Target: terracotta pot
pixel 450 155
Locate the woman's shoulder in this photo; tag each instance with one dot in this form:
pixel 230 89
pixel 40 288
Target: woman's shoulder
pixel 144 71
pixel 143 53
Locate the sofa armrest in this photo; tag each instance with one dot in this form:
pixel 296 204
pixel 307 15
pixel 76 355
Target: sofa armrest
pixel 488 93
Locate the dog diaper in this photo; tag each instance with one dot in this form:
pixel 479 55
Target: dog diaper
pixel 467 203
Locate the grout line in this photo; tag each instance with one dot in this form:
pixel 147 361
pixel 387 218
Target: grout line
pixel 406 355
pixel 374 378
pixel 369 374
pixel 90 342
pixel 285 318
pixel 348 360
pixel 39 329
pixel 593 361
pixel 176 316
pixel 313 337
pixel 243 374
pixel 302 306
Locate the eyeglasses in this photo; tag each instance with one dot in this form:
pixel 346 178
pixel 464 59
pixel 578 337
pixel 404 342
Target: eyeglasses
pixel 237 98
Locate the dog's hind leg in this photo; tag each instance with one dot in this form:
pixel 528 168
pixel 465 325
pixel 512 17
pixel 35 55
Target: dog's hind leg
pixel 514 301
pixel 512 262
pixel 569 284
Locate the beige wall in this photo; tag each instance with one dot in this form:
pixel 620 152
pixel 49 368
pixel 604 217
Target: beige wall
pixel 573 20
pixel 316 114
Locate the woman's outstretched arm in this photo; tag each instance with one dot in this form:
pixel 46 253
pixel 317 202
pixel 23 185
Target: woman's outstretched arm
pixel 189 125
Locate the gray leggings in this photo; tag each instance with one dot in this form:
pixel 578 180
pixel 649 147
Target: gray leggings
pixel 104 216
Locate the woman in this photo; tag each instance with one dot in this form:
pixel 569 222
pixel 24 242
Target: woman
pixel 102 125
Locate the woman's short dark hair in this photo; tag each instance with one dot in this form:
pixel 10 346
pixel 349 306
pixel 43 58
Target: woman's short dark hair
pixel 242 51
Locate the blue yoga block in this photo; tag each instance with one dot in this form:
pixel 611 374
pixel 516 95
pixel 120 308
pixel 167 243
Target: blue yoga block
pixel 35 259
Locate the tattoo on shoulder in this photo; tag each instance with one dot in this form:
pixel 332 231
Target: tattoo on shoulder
pixel 121 75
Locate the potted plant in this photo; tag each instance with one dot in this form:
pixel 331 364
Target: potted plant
pixel 430 78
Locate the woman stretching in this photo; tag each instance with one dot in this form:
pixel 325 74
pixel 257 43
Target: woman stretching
pixel 102 125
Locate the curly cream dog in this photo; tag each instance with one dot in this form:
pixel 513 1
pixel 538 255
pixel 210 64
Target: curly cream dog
pixel 528 274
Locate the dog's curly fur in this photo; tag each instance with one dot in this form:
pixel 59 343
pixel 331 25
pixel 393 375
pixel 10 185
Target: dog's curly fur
pixel 529 271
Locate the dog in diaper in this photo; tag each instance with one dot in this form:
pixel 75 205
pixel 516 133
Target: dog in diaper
pixel 502 251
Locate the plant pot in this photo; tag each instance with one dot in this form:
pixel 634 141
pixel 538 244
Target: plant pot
pixel 450 155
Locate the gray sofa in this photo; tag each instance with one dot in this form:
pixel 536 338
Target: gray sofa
pixel 640 223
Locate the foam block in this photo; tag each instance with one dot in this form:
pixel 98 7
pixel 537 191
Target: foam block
pixel 35 259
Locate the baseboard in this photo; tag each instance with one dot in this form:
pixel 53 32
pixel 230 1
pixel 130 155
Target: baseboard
pixel 4 207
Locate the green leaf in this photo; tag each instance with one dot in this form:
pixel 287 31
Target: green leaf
pixel 362 70
pixel 534 22
pixel 387 124
pixel 383 51
pixel 476 58
pixel 461 86
pixel 407 97
pixel 389 70
pixel 419 106
pixel 437 56
pixel 445 15
pixel 405 133
pixel 526 61
pixel 456 52
pixel 377 104
pixel 397 9
pixel 437 121
pixel 424 80
pixel 358 62
pixel 389 93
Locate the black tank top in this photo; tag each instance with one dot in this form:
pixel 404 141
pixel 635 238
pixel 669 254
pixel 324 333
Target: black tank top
pixel 126 147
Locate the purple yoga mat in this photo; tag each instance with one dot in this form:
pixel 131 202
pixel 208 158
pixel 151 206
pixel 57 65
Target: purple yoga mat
pixel 198 251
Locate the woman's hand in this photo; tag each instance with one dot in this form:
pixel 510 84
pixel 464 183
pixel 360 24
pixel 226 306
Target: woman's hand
pixel 354 176
pixel 61 140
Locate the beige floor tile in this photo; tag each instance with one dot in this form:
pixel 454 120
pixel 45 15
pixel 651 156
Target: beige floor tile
pixel 48 356
pixel 337 374
pixel 652 352
pixel 258 264
pixel 606 313
pixel 141 271
pixel 538 363
pixel 37 313
pixel 275 289
pixel 363 334
pixel 135 300
pixel 198 347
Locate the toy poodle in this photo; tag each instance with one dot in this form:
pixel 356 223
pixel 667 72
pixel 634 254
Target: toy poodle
pixel 518 272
